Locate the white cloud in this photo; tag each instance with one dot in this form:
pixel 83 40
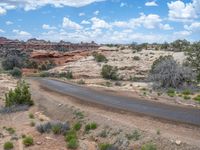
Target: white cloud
pixel 22 35
pixel 9 22
pixel 81 14
pixel 85 22
pixel 96 12
pixel 2 31
pixel 148 21
pixel 195 26
pixel 121 24
pixel 166 27
pixel 123 4
pixel 2 11
pixel 34 4
pixel 99 23
pixel 180 11
pixel 67 23
pixel 182 34
pixel 152 3
pixel 48 27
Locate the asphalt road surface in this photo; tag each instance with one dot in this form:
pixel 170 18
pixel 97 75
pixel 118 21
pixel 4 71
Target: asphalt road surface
pixel 153 109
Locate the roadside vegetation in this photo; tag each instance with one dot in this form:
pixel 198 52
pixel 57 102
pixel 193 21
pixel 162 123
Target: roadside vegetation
pixel 19 96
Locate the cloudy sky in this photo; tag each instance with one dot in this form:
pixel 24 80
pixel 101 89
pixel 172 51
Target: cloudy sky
pixel 103 21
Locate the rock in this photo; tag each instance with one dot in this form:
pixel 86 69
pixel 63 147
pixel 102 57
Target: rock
pixel 48 138
pixel 38 143
pixel 178 142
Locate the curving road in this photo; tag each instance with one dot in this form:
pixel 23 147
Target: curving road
pixel 163 111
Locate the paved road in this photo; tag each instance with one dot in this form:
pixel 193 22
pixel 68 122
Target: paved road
pixel 163 111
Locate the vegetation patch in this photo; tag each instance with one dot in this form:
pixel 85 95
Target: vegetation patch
pixel 28 141
pixel 56 127
pixel 19 96
pixel 149 146
pixel 99 57
pixel 8 145
pixel 109 72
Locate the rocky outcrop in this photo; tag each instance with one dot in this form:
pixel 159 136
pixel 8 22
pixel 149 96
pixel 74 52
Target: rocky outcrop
pixel 58 57
pixel 34 44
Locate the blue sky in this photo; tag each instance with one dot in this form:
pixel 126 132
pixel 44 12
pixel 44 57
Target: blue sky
pixel 103 21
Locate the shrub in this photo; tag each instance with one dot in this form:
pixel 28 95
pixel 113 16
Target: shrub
pixel 32 124
pixel 28 141
pixel 56 127
pixel 99 57
pixel 44 74
pixel 11 62
pixel 19 96
pixel 67 74
pixel 168 73
pixel 16 72
pixel 77 126
pixel 193 53
pixel 91 126
pixel 171 92
pixel 186 97
pixel 103 134
pixel 81 81
pixel 73 144
pixel 10 130
pixel 31 116
pixel 87 127
pixel 136 58
pixel 8 145
pixel 149 146
pixel 70 135
pixel 105 146
pixel 186 92
pixel 133 136
pixel 109 72
pixel 197 98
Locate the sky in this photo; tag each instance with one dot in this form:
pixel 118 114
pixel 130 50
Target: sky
pixel 102 21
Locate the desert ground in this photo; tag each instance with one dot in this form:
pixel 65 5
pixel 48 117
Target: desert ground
pixel 123 129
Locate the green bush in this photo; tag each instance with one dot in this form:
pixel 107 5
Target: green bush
pixel 197 98
pixel 8 145
pixel 77 126
pixel 10 130
pixel 73 144
pixel 186 97
pixel 70 135
pixel 16 72
pixel 19 96
pixel 133 136
pixel 105 146
pixel 28 141
pixel 149 146
pixel 31 116
pixel 56 129
pixel 171 92
pixel 186 92
pixel 68 74
pixel 99 57
pixel 109 72
pixel 91 126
